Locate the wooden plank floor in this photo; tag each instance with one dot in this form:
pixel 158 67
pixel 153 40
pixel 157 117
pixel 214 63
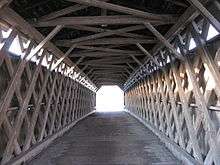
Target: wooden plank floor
pixel 107 139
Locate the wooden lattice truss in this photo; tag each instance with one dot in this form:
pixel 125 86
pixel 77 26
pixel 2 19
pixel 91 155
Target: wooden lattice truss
pixel 38 103
pixel 182 101
pixel 180 98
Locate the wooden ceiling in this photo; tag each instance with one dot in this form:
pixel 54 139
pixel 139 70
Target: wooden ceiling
pixel 107 39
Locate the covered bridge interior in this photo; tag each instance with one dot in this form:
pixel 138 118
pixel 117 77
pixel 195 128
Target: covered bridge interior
pixel 164 54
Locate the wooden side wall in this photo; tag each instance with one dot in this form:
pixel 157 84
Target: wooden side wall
pixel 182 101
pixel 35 102
pixel 177 91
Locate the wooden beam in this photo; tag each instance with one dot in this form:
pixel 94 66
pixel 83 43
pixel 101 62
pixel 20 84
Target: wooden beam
pixel 185 18
pixel 107 49
pixel 116 77
pixel 99 30
pixel 199 6
pixel 25 156
pixel 108 69
pixel 5 2
pixel 108 41
pixel 135 59
pixel 23 110
pixel 84 68
pixel 108 72
pixel 46 39
pixel 110 83
pixel 98 20
pixel 65 11
pixel 90 71
pixel 124 74
pixel 11 17
pixel 113 70
pixel 75 65
pixel 63 57
pixel 130 66
pixel 94 62
pixel 101 54
pixel 107 83
pixel 147 53
pixel 128 71
pixel 104 34
pixel 110 75
pixel 119 41
pixel 125 10
pixel 62 12
pixel 108 59
pixel 163 40
pixel 107 66
pixel 87 28
pixel 108 79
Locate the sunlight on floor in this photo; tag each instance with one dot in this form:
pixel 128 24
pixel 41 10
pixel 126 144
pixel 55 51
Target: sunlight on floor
pixel 109 99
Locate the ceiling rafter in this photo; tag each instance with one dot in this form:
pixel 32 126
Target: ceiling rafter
pixel 62 12
pixel 100 54
pixel 94 62
pixel 126 10
pixel 65 11
pixel 109 59
pixel 105 36
pixel 107 66
pixel 199 6
pixel 99 30
pixel 107 49
pixel 99 20
pixel 108 41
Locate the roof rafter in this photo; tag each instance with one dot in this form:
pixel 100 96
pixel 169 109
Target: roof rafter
pixel 100 54
pixel 62 12
pixel 104 34
pixel 107 66
pixel 65 11
pixel 126 10
pixel 108 41
pixel 107 49
pixel 96 62
pixel 99 20
pixel 99 30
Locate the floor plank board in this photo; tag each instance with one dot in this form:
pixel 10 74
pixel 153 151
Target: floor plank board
pixel 107 139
